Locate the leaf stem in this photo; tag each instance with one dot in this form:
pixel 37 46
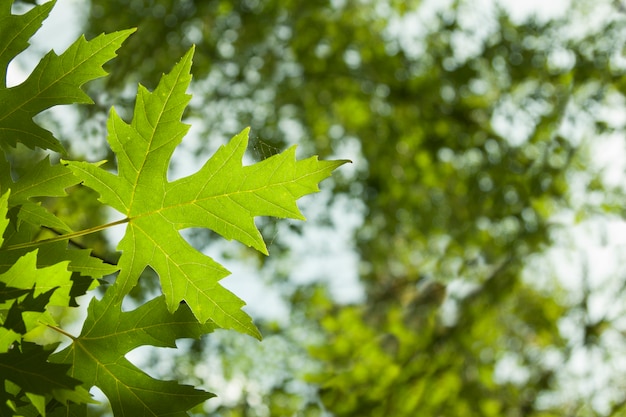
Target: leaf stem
pixel 59 330
pixel 79 245
pixel 65 236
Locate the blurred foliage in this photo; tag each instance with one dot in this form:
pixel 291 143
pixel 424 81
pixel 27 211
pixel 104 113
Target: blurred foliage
pixel 467 130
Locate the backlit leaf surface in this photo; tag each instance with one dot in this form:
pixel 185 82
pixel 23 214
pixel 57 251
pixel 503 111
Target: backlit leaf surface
pixel 56 80
pixel 223 196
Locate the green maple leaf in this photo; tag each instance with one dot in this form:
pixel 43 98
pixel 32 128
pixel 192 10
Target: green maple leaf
pixel 97 356
pixel 223 195
pixel 56 80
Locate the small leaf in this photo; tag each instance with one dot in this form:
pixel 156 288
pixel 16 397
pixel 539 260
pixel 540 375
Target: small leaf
pixel 97 356
pixel 56 80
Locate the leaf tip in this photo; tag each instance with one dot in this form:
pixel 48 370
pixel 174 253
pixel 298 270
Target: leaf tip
pixel 255 332
pixel 188 57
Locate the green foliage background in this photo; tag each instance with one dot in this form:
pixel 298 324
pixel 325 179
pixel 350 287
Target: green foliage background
pixel 476 140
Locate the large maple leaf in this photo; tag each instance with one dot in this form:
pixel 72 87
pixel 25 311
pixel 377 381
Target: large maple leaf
pixel 223 195
pixel 97 356
pixel 56 80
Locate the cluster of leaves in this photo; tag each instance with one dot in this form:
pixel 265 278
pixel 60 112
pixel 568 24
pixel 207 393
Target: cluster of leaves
pixel 42 267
